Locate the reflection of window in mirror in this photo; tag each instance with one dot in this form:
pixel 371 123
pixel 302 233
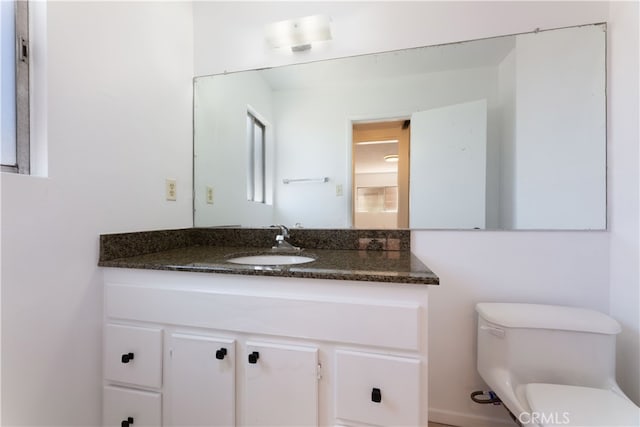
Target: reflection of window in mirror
pixel 256 137
pixel 377 199
pixel 14 86
pixel 381 174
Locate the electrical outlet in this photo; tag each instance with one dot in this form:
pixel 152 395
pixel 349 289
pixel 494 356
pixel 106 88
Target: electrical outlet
pixel 171 190
pixel 209 195
pixel 338 190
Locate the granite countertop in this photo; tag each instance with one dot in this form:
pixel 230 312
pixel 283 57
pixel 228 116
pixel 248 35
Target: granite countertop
pixel 205 251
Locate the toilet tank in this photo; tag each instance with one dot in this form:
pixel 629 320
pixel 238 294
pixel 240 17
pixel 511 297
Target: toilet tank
pixel 526 343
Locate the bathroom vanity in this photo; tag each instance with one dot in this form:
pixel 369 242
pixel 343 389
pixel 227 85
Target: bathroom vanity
pixel 341 340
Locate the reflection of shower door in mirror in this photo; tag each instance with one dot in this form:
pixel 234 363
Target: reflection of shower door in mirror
pixel 448 166
pixel 380 174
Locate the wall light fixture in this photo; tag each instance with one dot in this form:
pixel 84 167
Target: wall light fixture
pixel 299 33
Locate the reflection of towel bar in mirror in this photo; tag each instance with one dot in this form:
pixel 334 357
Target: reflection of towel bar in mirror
pixel 290 181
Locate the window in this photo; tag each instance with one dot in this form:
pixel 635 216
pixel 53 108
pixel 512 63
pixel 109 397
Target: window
pixel 14 86
pixel 377 199
pixel 256 145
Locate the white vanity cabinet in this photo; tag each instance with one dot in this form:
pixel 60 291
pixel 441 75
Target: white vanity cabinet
pixel 217 349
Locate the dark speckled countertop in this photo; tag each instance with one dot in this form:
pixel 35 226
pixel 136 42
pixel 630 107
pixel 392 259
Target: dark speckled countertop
pixel 361 255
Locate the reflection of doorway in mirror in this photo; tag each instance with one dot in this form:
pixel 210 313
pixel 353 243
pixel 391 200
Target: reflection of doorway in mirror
pixel 380 174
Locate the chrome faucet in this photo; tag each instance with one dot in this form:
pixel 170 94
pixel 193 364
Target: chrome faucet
pixel 281 243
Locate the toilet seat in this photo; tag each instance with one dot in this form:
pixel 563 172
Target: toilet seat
pixel 554 404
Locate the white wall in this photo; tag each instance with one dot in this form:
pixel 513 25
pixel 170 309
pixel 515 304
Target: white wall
pixel 119 122
pixel 229 36
pixel 552 267
pixel 624 188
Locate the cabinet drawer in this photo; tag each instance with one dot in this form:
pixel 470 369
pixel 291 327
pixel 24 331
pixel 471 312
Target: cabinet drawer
pixel 136 408
pixel 133 355
pixel 377 389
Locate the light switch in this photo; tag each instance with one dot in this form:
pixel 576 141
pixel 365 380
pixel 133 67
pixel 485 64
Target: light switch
pixel 171 190
pixel 209 195
pixel 338 190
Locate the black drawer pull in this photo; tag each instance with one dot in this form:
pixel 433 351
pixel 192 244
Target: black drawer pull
pixel 127 422
pixel 376 395
pixel 127 357
pixel 220 354
pixel 253 357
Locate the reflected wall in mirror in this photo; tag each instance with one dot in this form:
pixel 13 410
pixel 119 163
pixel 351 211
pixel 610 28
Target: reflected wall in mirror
pixel 504 133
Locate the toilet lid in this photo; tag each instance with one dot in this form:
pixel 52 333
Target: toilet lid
pixel 554 405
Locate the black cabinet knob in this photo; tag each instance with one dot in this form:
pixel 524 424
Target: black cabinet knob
pixel 127 422
pixel 220 354
pixel 253 357
pixel 127 357
pixel 376 395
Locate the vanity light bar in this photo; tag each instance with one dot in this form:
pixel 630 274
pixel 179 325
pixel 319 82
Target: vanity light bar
pixel 386 141
pixel 299 33
pixel 290 181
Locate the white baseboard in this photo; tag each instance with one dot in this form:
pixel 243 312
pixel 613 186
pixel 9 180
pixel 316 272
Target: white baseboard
pixel 460 419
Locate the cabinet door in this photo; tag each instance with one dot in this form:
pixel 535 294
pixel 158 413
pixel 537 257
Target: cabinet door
pixel 377 389
pixel 201 381
pixel 281 385
pixel 128 407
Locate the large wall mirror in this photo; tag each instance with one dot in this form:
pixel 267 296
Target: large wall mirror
pixel 506 133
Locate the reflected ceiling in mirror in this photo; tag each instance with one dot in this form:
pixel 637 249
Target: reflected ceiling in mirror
pixel 504 133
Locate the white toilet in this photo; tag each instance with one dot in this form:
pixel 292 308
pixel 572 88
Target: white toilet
pixel 553 365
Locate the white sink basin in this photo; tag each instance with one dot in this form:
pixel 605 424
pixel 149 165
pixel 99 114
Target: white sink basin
pixel 271 259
